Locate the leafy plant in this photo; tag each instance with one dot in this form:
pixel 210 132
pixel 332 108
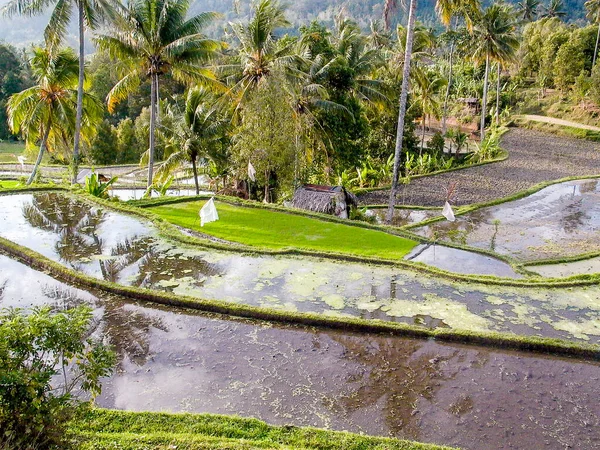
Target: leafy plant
pixel 160 188
pixel 44 357
pixel 94 186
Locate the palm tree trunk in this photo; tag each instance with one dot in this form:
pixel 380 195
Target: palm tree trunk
pixel 195 169
pixel 40 155
pixel 79 115
pixel 448 87
pixel 422 137
pixel 597 42
pixel 498 95
pixel 410 34
pixel 152 129
pixel 484 99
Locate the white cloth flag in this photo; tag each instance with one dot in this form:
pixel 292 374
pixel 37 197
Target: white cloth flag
pixel 251 172
pixel 21 160
pixel 448 213
pixel 208 213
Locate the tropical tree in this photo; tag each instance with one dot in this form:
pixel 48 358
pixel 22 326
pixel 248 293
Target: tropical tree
pixel 426 94
pixel 495 40
pixel 155 38
pixel 556 8
pixel 260 53
pixel 90 13
pixel 528 10
pixel 198 133
pixel 47 111
pixel 593 12
pixel 389 6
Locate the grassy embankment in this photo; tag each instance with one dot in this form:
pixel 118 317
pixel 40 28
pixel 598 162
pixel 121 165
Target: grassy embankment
pixel 9 151
pixel 277 230
pixel 101 429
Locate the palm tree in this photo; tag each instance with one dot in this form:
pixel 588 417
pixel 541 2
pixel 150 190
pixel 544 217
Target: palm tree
pixel 198 133
pixel 494 38
pixel 260 53
pixel 446 9
pixel 528 9
pixel 90 13
pixel 153 39
pixel 593 12
pixel 390 5
pixel 46 112
pixel 426 93
pixel 556 8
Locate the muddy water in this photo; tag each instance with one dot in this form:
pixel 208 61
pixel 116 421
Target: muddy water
pixel 560 220
pixel 123 249
pixel 404 216
pixel 176 360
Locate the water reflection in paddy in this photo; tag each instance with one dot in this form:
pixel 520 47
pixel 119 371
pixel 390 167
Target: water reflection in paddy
pixel 123 249
pixel 176 360
pixel 560 220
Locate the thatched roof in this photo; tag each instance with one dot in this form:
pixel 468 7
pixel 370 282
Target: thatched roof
pixel 324 199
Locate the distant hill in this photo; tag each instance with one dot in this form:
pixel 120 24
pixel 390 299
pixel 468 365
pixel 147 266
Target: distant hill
pixel 22 31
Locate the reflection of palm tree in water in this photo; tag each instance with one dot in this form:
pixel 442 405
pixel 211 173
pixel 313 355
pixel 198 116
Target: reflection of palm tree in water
pixel 394 372
pixel 127 329
pixel 74 222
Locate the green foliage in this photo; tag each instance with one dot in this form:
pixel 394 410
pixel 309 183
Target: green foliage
pixel 271 149
pixel 160 188
pixel 568 63
pixel 436 144
pixel 104 148
pixel 94 186
pixel 129 148
pixel 45 357
pixel 489 148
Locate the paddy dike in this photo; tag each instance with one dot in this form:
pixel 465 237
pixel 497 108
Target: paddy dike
pixel 125 250
pixel 178 360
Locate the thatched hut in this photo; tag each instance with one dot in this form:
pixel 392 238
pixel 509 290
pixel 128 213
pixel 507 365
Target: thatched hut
pixel 334 200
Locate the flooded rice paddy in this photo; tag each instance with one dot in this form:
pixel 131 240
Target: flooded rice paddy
pixel 178 360
pixel 126 250
pixel 559 220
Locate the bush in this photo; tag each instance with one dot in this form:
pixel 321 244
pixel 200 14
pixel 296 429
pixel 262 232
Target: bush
pixel 44 357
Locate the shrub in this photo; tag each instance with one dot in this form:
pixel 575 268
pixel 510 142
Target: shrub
pixel 94 186
pixel 44 357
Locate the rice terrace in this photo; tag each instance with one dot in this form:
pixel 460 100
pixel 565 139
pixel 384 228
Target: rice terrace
pixel 308 225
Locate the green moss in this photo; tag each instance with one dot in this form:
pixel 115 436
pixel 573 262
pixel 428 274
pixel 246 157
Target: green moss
pixel 101 429
pixel 278 230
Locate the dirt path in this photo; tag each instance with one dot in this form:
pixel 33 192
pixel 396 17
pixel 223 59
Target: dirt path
pixel 553 120
pixel 534 157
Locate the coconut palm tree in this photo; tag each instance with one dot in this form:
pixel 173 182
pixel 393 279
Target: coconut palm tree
pixel 528 10
pixel 198 133
pixel 449 12
pixel 260 53
pixel 155 38
pixel 556 8
pixel 47 111
pixel 389 7
pixel 426 93
pixel 445 9
pixel 90 13
pixel 593 12
pixel 495 40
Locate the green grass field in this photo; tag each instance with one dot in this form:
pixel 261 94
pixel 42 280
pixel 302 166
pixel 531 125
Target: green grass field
pixel 8 184
pixel 278 230
pixel 101 429
pixel 8 149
